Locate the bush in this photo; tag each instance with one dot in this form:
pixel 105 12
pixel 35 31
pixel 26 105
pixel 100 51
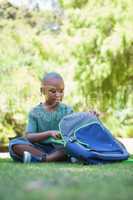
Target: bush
pixel 92 49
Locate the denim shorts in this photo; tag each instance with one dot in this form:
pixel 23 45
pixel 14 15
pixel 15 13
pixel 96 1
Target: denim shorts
pixel 45 148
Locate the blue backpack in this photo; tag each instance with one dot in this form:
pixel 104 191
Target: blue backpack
pixel 87 139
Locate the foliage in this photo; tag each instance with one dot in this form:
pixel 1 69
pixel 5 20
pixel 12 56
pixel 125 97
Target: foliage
pixel 73 3
pixel 92 49
pixel 104 55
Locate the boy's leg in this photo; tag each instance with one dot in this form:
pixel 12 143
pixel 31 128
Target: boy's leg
pixel 56 156
pixel 48 153
pixel 20 148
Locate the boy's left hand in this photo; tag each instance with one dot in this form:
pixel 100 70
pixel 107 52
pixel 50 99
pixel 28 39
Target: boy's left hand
pixel 55 134
pixel 94 112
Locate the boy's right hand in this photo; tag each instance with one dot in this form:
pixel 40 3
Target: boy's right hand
pixel 54 134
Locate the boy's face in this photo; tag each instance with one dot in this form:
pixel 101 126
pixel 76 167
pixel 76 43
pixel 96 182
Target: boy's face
pixel 53 89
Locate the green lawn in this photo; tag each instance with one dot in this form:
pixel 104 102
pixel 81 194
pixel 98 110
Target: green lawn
pixel 65 181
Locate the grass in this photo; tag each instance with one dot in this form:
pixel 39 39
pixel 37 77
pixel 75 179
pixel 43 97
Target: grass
pixel 65 181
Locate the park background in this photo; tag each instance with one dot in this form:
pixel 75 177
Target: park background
pixel 90 42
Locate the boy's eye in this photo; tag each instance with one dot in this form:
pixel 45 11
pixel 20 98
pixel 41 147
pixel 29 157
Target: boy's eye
pixel 53 91
pixel 61 91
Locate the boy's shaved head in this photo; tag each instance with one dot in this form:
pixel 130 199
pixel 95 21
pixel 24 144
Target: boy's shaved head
pixel 53 88
pixel 51 75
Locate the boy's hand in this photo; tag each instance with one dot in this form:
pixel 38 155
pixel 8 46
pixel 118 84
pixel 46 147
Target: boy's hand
pixel 54 134
pixel 97 113
pixel 93 112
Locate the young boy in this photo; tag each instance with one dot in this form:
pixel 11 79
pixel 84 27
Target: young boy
pixel 42 142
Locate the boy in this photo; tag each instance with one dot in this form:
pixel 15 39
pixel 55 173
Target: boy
pixel 42 142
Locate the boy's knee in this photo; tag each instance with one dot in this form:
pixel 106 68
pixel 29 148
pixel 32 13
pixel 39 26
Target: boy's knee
pixel 16 147
pixel 19 148
pixel 14 152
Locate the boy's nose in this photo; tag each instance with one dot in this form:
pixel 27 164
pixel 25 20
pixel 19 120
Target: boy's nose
pixel 58 94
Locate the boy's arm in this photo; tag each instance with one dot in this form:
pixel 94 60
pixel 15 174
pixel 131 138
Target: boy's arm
pixel 38 137
pixel 32 133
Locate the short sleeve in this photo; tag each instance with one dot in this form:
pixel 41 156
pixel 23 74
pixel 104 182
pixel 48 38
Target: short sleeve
pixel 32 124
pixel 69 110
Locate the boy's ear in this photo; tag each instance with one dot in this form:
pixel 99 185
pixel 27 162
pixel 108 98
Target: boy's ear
pixel 41 90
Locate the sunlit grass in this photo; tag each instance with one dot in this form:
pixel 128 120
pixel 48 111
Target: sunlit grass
pixel 65 181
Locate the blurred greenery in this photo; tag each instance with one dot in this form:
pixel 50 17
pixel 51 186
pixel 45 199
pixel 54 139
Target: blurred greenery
pixel 93 45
